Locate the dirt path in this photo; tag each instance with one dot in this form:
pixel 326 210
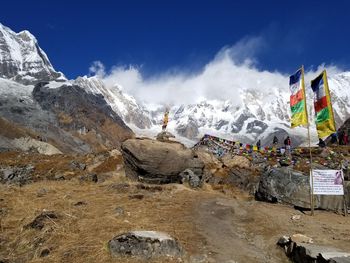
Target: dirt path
pixel 224 224
pixel 240 230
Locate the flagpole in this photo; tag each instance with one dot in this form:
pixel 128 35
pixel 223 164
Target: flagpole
pixel 311 175
pixel 310 152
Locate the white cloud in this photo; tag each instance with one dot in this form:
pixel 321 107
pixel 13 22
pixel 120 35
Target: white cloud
pixel 231 71
pixel 97 68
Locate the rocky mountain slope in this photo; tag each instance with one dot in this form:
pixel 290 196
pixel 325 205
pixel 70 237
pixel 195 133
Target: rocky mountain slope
pixel 40 100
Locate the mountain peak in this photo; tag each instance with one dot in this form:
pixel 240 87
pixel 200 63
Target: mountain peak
pixel 25 35
pixel 21 58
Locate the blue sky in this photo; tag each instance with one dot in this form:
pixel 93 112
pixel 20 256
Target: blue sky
pixel 160 36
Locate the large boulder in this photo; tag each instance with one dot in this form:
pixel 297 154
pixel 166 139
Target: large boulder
pixel 292 187
pixel 145 244
pixel 153 161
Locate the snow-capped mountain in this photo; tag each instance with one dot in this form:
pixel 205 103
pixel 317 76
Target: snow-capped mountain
pixel 261 114
pixel 30 87
pixel 41 101
pixel 22 60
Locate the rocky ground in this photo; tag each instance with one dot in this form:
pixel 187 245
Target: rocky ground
pixel 66 208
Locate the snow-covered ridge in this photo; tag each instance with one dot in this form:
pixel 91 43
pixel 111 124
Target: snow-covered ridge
pixel 22 59
pixel 259 116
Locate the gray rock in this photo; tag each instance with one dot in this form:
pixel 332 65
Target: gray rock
pixel 283 241
pixel 17 175
pixel 39 221
pixel 45 252
pixel 89 178
pixel 145 244
pixel 153 161
pixel 77 165
pixel 80 203
pixel 59 177
pixel 292 187
pixel 41 192
pixel 119 211
pixel 191 178
pixel 164 136
pixel 301 252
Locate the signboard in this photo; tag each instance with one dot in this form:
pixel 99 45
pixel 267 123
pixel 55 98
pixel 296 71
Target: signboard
pixel 328 182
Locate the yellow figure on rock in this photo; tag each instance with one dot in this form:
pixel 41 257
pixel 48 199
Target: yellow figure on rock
pixel 165 119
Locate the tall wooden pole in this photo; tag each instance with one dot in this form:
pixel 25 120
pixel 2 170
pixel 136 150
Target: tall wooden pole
pixel 309 138
pixel 311 175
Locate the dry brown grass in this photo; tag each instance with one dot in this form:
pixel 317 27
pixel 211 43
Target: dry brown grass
pixel 109 165
pixel 64 118
pixel 45 166
pixel 81 233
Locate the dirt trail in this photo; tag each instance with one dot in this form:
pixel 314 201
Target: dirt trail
pixel 241 230
pixel 224 222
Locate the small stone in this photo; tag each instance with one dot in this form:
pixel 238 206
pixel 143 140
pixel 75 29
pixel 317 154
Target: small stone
pixel 283 240
pixel 77 165
pixel 59 177
pixel 188 176
pixel 296 217
pixel 119 211
pixel 41 192
pixel 136 196
pixel 89 178
pixel 80 203
pixel 299 238
pixel 44 253
pixel 3 211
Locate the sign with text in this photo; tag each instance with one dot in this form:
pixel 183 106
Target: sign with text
pixel 328 182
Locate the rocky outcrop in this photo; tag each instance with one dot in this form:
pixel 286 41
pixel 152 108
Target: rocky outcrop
pixel 145 245
pixel 30 144
pixel 86 114
pixel 123 104
pixel 291 187
pixel 16 175
pixel 300 249
pixel 159 162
